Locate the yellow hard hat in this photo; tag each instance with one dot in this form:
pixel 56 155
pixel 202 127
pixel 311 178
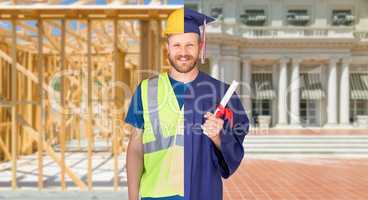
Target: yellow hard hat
pixel 189 21
pixel 175 22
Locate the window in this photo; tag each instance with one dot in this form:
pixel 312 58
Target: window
pixel 260 107
pixel 342 18
pixel 358 107
pixel 298 17
pixel 308 112
pixel 253 17
pixel 217 13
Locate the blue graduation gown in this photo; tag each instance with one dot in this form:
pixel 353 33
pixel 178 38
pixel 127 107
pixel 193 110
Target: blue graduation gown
pixel 205 165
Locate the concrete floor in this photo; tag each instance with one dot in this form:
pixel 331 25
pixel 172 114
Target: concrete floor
pixel 70 195
pixel 27 172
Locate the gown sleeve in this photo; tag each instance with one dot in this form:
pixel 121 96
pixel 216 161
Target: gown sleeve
pixel 232 137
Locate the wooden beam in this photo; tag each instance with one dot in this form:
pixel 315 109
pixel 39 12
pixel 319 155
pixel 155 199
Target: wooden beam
pixel 51 39
pixel 62 102
pixel 6 33
pixel 5 149
pixel 2 84
pixel 127 28
pixel 54 2
pixel 114 135
pixel 87 11
pixel 158 47
pixel 83 2
pixel 144 49
pixel 31 44
pixel 34 134
pixel 89 103
pixel 117 2
pixel 14 107
pixel 42 117
pixel 130 31
pixel 77 36
pixel 26 72
pixel 30 95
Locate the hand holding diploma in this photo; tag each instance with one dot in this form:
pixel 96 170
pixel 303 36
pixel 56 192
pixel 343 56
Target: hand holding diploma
pixel 214 123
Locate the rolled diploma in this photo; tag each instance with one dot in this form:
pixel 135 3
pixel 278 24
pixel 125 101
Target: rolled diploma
pixel 228 95
pixel 229 92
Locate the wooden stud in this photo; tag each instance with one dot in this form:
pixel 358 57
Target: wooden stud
pixel 113 107
pixel 22 69
pixel 22 103
pixel 29 109
pixel 5 149
pixel 48 110
pixel 62 102
pixel 1 82
pixel 144 47
pixel 40 69
pixel 157 47
pixel 34 134
pixel 89 103
pixel 13 101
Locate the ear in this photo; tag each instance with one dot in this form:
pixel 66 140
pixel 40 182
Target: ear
pixel 200 44
pixel 167 43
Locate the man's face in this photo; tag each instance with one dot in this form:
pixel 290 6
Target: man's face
pixel 183 51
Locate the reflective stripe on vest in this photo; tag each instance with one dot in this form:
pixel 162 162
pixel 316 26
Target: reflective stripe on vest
pixel 160 142
pixel 163 140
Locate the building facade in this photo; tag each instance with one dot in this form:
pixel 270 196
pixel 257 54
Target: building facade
pixel 301 63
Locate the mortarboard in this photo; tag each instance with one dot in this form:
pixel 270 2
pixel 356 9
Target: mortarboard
pixel 186 20
pixel 193 20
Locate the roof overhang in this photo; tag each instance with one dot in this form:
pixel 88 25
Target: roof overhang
pixel 142 12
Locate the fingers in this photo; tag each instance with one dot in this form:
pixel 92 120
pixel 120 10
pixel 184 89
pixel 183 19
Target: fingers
pixel 210 131
pixel 212 118
pixel 212 125
pixel 209 115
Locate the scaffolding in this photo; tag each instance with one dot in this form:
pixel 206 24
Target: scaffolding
pixel 67 72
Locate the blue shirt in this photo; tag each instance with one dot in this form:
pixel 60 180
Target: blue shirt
pixel 134 116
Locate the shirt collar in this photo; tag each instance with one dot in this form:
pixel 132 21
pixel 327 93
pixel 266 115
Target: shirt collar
pixel 197 78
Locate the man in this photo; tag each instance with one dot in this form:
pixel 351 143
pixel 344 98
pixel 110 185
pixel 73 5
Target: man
pixel 169 156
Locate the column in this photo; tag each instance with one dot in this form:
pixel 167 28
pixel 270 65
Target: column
pixel 332 93
pixel 214 54
pixel 215 68
pixel 344 93
pixel 246 86
pixel 230 63
pixel 275 84
pixel 282 94
pixel 295 93
pixel 230 68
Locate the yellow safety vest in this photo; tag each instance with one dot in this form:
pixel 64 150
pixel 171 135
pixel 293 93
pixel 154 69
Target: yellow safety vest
pixel 163 139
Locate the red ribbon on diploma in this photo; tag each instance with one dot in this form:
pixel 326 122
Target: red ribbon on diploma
pixel 227 113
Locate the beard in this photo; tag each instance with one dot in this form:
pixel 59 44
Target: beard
pixel 183 67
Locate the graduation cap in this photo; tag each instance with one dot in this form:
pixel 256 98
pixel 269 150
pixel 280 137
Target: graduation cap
pixel 186 20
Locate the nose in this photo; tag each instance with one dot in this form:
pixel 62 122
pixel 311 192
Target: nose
pixel 183 51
